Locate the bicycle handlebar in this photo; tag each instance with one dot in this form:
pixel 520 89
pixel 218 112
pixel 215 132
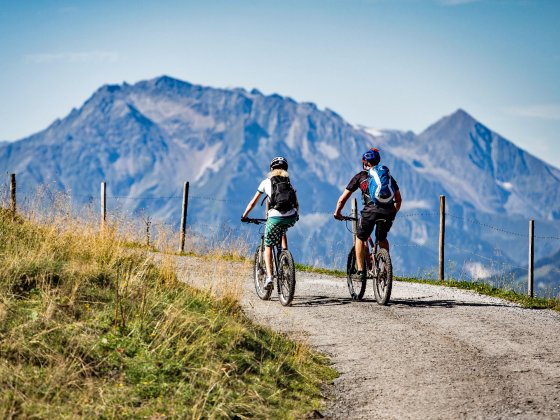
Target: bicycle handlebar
pixel 255 221
pixel 347 218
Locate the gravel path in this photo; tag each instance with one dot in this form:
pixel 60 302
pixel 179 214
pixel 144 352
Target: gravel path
pixel 434 352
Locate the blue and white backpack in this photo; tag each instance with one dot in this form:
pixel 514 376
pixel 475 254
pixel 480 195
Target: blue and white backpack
pixel 380 184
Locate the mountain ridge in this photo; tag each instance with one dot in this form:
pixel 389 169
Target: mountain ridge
pixel 146 139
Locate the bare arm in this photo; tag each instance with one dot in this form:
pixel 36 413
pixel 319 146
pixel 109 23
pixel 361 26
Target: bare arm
pixel 341 202
pixel 251 204
pixel 398 200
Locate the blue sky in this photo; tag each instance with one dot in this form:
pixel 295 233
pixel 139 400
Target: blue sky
pixel 399 64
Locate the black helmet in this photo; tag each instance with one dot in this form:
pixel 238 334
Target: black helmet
pixel 279 162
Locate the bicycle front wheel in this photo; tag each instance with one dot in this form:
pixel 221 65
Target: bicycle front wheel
pixel 286 279
pixel 259 271
pixel 356 286
pixel 383 282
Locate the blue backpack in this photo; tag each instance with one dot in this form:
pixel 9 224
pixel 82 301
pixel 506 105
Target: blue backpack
pixel 380 184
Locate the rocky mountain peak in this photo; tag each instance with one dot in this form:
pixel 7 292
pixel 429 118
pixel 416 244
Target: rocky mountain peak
pixel 148 138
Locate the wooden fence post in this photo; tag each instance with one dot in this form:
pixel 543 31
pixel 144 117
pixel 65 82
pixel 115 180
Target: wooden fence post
pixel 13 194
pixel 148 222
pixel 184 215
pixel 531 257
pixel 441 237
pixel 103 203
pixel 354 214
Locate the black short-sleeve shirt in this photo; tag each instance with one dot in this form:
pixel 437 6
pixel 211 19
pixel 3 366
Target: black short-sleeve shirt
pixel 360 180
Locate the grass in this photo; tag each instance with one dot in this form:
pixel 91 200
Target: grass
pixel 320 270
pixel 91 326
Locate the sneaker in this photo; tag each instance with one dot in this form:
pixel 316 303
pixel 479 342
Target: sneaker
pixel 268 283
pixel 361 274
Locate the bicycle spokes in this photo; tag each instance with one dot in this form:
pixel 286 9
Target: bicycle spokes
pixel 356 286
pixel 384 277
pixel 286 278
pixel 260 275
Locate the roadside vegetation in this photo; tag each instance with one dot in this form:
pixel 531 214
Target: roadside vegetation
pixel 91 326
pixel 319 270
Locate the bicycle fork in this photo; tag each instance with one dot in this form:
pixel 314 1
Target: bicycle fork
pixel 372 269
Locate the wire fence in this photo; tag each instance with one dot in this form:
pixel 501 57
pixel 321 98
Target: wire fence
pixel 465 261
pixel 493 264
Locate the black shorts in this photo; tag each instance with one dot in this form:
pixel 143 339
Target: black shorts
pixel 367 223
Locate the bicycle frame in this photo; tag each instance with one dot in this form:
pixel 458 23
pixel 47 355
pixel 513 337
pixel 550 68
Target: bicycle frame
pixel 275 252
pixel 370 248
pixel 378 267
pixel 283 269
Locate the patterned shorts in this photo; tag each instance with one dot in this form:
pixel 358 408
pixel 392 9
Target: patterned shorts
pixel 276 227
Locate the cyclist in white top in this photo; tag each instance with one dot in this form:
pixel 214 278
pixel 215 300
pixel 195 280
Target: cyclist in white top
pixel 282 213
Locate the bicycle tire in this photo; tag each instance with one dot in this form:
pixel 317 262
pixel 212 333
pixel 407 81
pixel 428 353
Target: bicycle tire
pixel 383 281
pixel 286 279
pixel 259 271
pixel 356 286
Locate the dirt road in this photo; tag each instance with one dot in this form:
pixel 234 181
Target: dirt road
pixel 434 352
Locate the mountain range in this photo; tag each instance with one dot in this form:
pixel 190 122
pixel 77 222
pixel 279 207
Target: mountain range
pixel 146 139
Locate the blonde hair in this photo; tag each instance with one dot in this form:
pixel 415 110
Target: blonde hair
pixel 278 172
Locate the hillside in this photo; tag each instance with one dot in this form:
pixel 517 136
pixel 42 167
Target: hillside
pixel 146 139
pixel 90 327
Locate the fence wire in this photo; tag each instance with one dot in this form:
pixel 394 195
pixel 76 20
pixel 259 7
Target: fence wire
pixel 221 231
pixel 498 229
pixel 485 258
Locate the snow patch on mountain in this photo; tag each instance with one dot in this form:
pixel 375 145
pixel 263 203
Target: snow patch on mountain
pixel 469 192
pixel 170 113
pixel 327 150
pixel 194 163
pixel 293 132
pixel 374 132
pixel 508 186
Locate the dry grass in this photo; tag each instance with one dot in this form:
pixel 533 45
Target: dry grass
pixel 94 324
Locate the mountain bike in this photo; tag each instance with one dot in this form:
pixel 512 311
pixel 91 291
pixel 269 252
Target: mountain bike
pixel 379 268
pixel 283 270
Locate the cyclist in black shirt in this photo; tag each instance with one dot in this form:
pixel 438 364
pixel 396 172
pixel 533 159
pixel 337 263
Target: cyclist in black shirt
pixel 372 210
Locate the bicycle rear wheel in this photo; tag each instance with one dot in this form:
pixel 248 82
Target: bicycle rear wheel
pixel 356 286
pixel 259 271
pixel 383 281
pixel 286 279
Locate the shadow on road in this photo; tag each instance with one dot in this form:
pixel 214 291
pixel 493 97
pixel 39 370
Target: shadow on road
pixel 443 303
pixel 320 301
